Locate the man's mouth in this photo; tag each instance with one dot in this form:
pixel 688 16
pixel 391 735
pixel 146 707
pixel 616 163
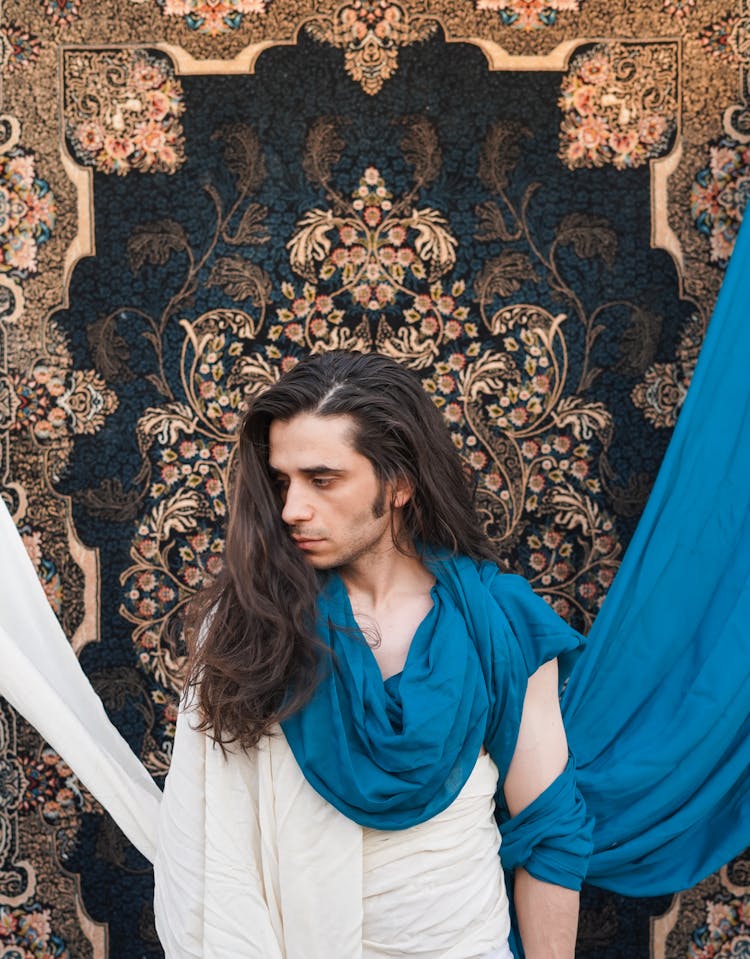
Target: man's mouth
pixel 306 542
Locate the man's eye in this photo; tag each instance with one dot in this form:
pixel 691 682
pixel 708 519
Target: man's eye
pixel 321 481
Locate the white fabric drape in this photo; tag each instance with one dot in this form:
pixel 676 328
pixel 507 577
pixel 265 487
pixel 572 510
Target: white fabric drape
pixel 41 678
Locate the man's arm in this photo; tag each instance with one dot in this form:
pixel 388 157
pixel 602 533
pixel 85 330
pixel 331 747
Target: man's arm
pixel 547 914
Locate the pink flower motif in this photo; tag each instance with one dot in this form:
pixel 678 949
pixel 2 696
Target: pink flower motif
pixel 452 329
pixel 149 137
pixel 146 581
pixel 207 389
pixel 580 469
pixel 323 304
pixel 575 151
pixel 146 608
pixel 561 606
pixel 593 132
pixel 213 486
pixel 230 421
pixel 145 75
pixel 652 128
pixel 148 548
pixel 397 235
pixel 361 293
pixel 214 565
pixel 623 142
pixel 422 303
pixel 384 293
pixel 372 216
pixel 595 69
pixel 519 416
pixel 587 590
pixel 220 452
pixel 90 136
pixel 157 104
pixel 295 332
pixel 585 99
pixel 188 449
pixel 319 326
pixel 192 576
pixel 552 538
pixel 118 149
pixel 536 483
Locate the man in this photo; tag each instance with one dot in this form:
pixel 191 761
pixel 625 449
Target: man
pixel 361 608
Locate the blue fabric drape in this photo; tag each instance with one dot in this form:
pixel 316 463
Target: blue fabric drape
pixel 393 754
pixel 658 707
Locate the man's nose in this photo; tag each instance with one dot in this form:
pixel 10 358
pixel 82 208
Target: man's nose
pixel 297 508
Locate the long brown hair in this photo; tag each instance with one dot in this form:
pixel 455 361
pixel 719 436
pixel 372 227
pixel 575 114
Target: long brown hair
pixel 254 655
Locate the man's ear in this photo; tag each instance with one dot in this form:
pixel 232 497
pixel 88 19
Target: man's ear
pixel 402 492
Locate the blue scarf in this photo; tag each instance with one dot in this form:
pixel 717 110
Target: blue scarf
pixel 392 754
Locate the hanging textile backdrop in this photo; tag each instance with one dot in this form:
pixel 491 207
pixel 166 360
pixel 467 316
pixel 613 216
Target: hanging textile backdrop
pixel 529 202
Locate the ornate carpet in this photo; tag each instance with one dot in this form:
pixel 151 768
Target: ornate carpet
pixel 529 202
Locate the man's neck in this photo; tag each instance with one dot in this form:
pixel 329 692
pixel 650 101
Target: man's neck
pixel 373 579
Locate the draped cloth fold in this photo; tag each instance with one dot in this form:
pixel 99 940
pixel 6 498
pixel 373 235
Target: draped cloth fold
pixel 41 678
pixel 658 708
pixel 394 754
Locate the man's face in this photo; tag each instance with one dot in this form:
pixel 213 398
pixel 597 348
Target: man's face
pixel 332 502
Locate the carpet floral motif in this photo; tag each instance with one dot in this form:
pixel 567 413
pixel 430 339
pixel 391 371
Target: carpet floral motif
pixel 717 38
pixel 726 931
pixel 503 385
pixel 18 48
pixel 53 401
pixel 27 213
pixel 61 13
pixel 619 105
pixel 661 394
pixel 122 111
pixel 212 16
pixel 26 933
pixel 370 32
pixel 679 8
pixel 53 790
pixel 719 196
pixel 529 14
pixel 45 567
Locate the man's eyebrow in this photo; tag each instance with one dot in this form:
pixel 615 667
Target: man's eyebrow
pixel 310 470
